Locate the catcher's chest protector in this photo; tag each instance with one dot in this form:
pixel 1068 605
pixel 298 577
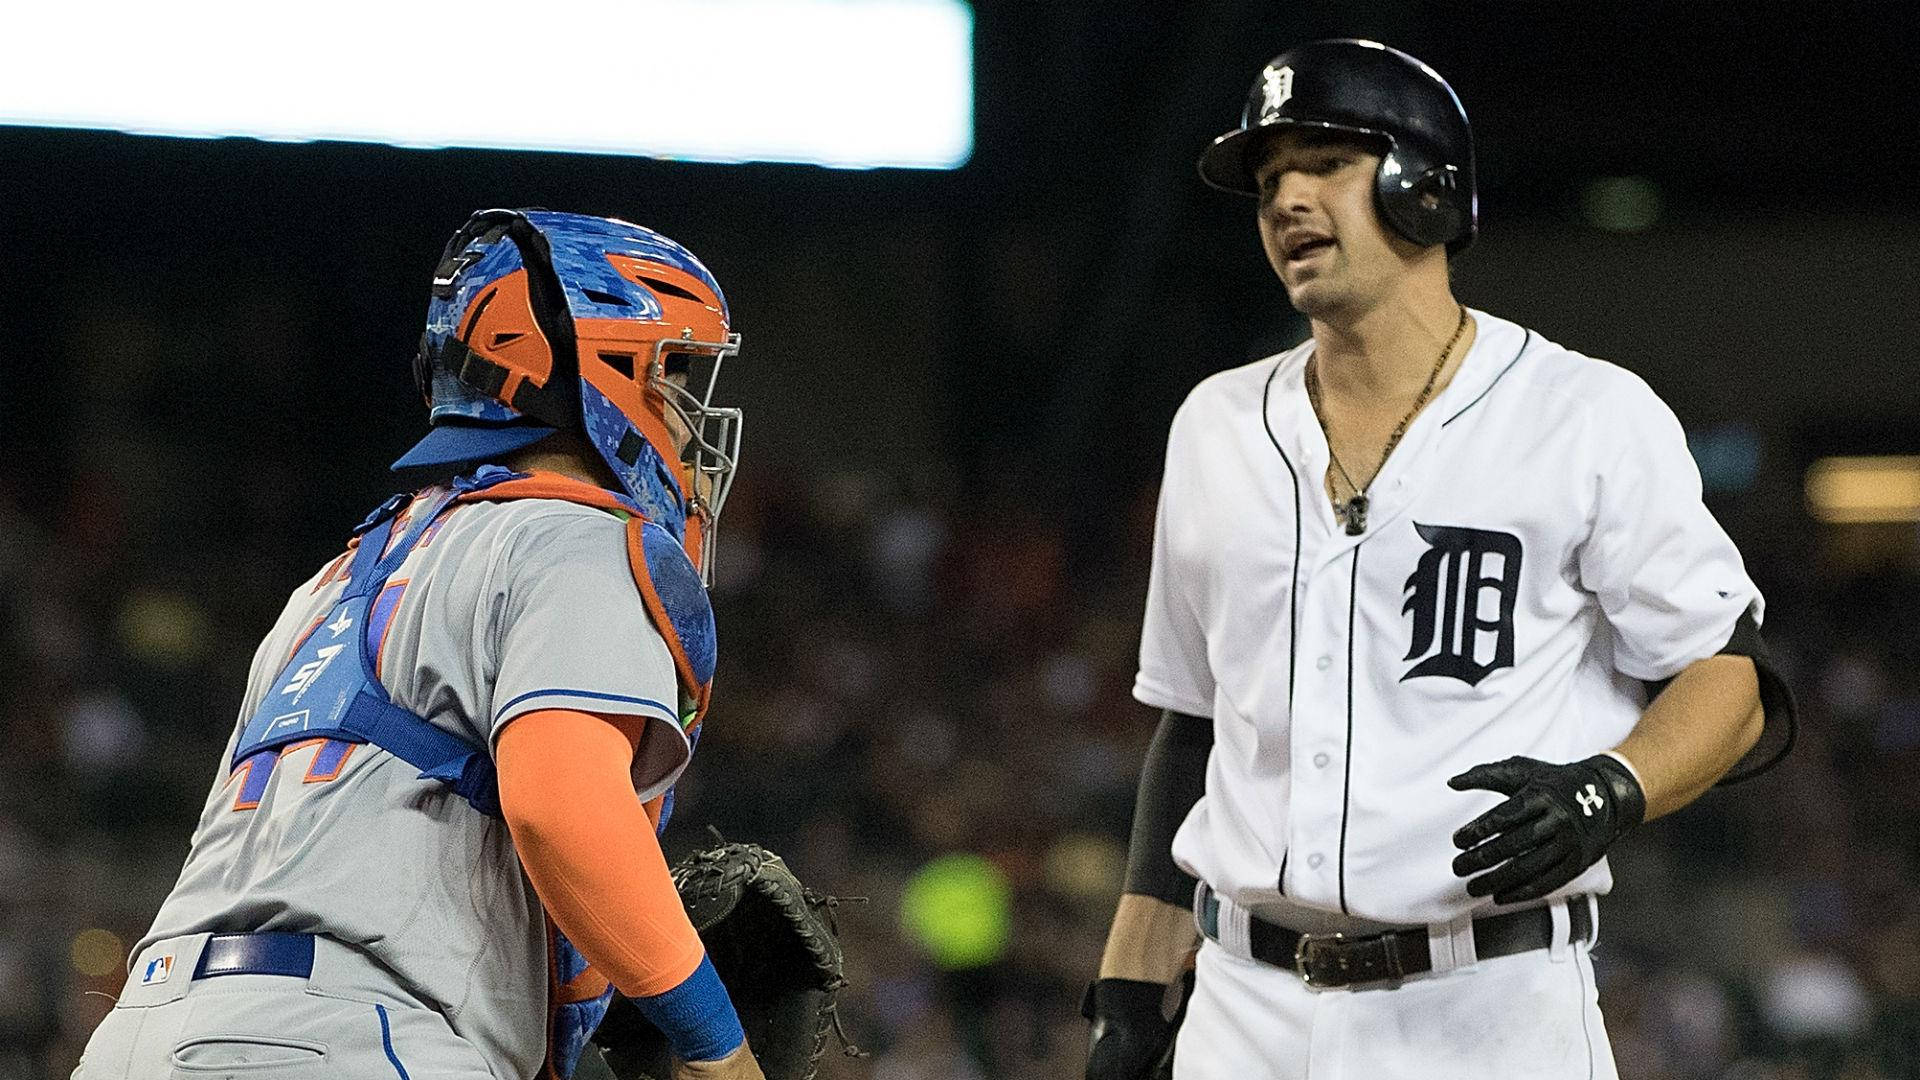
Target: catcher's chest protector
pixel 330 688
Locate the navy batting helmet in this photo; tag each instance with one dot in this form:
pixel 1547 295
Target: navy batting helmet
pixel 1425 187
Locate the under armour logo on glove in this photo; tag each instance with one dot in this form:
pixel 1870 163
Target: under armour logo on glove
pixel 1535 841
pixel 1590 800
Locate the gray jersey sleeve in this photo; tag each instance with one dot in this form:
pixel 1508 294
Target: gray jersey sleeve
pixel 570 631
pixel 1667 577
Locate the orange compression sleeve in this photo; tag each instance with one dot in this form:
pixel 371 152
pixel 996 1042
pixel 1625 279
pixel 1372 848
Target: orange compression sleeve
pixel 589 846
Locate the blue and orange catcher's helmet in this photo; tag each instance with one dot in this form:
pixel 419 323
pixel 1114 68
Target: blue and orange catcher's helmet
pixel 543 322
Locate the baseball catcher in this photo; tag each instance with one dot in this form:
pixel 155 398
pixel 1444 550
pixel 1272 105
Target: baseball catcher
pixel 431 849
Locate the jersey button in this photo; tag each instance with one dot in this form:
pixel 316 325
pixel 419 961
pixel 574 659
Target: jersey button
pixel 1320 760
pixel 1323 663
pixel 1314 861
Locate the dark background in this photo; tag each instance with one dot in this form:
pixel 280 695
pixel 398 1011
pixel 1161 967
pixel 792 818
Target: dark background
pixel 957 387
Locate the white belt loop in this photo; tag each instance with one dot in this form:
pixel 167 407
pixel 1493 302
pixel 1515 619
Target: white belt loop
pixel 1450 944
pixel 1593 920
pixel 1562 929
pixel 1236 924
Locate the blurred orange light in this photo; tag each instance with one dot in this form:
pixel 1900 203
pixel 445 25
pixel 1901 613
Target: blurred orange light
pixel 1864 490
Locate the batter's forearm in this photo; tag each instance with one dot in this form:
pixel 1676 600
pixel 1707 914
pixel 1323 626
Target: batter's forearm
pixel 1151 941
pixel 1698 727
pixel 1153 937
pixel 1172 779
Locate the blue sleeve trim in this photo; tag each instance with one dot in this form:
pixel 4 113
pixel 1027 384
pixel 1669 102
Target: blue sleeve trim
pixel 697 1016
pixel 594 695
pixel 386 1043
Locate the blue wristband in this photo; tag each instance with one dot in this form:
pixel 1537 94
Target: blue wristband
pixel 697 1016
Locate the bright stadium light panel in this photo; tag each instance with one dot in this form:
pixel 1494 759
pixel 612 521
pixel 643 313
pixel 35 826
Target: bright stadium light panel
pixel 842 83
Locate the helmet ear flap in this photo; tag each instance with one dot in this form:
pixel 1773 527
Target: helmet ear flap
pixel 1424 208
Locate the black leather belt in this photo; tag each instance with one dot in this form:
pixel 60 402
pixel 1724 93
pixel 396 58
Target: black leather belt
pixel 1335 960
pixel 266 953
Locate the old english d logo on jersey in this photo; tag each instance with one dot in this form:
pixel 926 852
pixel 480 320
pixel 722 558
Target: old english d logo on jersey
pixel 1448 596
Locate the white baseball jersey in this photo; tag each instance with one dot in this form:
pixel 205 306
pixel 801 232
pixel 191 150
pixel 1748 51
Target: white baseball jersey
pixel 1535 548
pixel 507 608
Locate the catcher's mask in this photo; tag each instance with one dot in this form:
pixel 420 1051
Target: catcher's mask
pixel 542 322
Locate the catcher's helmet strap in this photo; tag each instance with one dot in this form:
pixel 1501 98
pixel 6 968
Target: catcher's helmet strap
pixel 550 404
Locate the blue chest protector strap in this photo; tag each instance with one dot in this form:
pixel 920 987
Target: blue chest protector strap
pixel 330 689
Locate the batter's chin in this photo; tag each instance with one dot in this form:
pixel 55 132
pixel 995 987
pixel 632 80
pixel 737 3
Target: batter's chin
pixel 1311 299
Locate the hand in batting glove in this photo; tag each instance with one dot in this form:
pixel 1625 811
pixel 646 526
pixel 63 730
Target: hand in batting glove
pixel 1132 1039
pixel 1557 821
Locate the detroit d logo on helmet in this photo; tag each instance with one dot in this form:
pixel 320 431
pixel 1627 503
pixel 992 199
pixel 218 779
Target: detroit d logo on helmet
pixel 1276 88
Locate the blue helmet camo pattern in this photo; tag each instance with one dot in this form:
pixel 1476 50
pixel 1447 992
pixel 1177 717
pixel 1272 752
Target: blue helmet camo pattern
pixel 543 322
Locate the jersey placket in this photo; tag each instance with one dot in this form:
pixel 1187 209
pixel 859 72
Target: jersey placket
pixel 1332 656
pixel 1321 729
pixel 1319 717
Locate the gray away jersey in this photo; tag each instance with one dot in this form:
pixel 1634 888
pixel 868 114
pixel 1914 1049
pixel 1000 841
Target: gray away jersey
pixel 509 608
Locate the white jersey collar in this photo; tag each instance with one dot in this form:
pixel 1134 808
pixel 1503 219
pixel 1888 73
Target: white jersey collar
pixel 1290 418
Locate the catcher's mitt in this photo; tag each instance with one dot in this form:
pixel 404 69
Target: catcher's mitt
pixel 773 942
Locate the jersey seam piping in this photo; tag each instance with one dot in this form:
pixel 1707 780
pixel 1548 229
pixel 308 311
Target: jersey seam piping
pixel 1583 1007
pixel 1293 592
pixel 512 534
pixel 1346 783
pixel 488 591
pixel 1524 342
pixel 595 695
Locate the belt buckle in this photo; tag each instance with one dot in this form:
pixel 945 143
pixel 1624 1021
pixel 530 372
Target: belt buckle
pixel 1304 958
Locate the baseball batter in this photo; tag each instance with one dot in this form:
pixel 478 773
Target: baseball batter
pixel 430 848
pixel 1436 614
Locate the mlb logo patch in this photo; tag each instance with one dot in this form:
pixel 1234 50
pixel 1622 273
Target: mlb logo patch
pixel 157 970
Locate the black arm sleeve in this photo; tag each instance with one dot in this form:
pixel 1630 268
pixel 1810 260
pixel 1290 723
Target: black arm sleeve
pixel 1782 723
pixel 1172 779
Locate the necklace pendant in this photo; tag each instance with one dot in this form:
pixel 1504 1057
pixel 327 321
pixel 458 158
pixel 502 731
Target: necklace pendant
pixel 1356 515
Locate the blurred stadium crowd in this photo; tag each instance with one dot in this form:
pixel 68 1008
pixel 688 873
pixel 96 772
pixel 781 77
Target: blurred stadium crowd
pixel 921 704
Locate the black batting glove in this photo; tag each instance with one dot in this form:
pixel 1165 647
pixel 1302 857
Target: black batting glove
pixel 1557 821
pixel 1132 1039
